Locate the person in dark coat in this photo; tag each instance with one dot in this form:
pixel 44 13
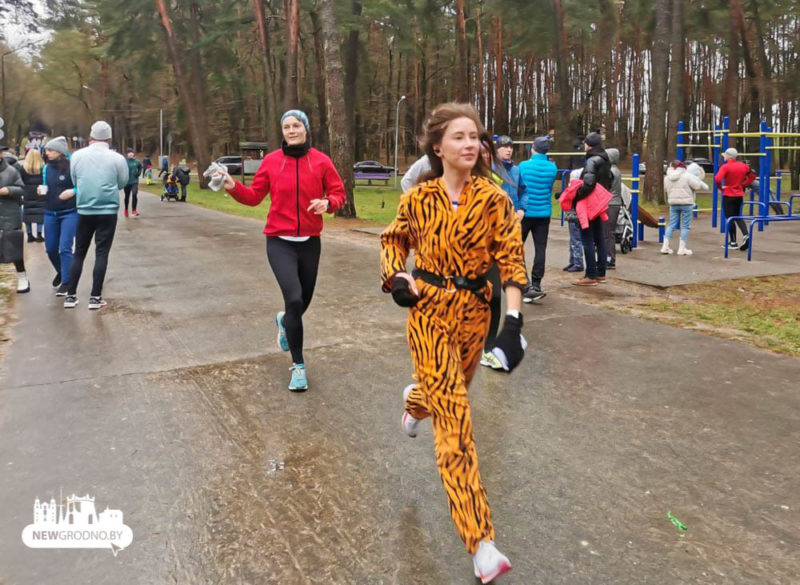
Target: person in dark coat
pixel 181 173
pixel 11 238
pixel 33 203
pixel 596 171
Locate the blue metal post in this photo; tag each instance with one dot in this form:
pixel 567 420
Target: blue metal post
pixel 726 127
pixel 714 193
pixel 763 169
pixel 778 185
pixel 661 223
pixel 635 198
pixel 681 140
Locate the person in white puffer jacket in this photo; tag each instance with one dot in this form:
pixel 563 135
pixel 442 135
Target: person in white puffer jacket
pixel 680 186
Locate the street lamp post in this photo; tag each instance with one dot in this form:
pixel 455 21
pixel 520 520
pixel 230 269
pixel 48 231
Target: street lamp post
pixel 397 135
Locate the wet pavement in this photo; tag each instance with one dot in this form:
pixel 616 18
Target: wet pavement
pixel 171 405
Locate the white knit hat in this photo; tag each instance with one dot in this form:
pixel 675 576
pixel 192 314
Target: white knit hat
pixel 100 131
pixel 732 153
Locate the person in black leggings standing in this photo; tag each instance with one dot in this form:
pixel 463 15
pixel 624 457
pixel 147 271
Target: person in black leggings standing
pixel 302 184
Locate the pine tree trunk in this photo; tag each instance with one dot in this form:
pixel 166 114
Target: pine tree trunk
pixel 197 132
pixel 270 113
pixel 292 7
pixel 319 76
pixel 340 133
pixel 731 98
pixel 564 101
pixel 676 75
pixel 500 118
pixel 351 69
pixel 460 74
pixel 656 133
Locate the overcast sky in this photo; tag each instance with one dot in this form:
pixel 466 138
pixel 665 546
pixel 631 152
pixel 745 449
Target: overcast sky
pixel 16 33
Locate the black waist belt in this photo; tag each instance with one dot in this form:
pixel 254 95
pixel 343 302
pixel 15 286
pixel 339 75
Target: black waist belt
pixel 475 285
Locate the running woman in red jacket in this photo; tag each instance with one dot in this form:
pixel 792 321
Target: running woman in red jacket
pixel 303 184
pixel 737 176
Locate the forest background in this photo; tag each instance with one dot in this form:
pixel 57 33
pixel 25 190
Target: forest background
pixel 222 71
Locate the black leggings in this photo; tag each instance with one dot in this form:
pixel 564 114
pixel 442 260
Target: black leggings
pixel 732 206
pixel 132 190
pixel 295 265
pixel 102 228
pixel 494 307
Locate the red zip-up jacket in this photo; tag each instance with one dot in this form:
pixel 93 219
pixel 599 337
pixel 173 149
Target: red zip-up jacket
pixel 735 174
pixel 292 183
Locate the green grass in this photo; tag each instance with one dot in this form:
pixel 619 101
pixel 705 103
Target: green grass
pixel 217 200
pixel 373 204
pixel 761 310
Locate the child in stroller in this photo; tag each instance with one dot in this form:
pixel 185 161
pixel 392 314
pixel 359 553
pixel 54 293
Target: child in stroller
pixel 623 233
pixel 170 188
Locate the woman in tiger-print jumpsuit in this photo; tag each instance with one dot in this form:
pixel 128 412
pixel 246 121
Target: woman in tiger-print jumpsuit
pixel 457 222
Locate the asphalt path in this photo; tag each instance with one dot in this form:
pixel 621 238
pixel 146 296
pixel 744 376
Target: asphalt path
pixel 171 405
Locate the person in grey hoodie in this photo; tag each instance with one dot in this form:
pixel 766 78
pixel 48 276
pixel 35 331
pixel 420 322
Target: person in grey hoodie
pixel 99 174
pixel 613 208
pixel 680 186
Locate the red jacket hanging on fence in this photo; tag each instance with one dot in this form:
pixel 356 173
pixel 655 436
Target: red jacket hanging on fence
pixel 590 207
pixel 737 175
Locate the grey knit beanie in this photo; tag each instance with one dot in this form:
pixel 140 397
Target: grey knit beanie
pixel 59 144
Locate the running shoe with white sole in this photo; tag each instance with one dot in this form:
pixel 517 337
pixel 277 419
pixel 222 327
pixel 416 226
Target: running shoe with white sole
pixel 283 343
pixel 61 291
pixel 96 303
pixel 299 381
pixel 533 293
pixel 489 360
pixel 489 563
pixel 70 302
pixel 409 422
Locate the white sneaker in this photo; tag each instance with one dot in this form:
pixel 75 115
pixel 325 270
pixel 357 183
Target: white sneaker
pixel 488 562
pixel 23 284
pixel 665 249
pixel 683 250
pixel 409 422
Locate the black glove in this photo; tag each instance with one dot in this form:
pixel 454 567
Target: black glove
pixel 509 341
pixel 401 292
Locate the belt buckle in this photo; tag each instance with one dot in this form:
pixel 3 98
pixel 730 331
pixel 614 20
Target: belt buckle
pixel 450 279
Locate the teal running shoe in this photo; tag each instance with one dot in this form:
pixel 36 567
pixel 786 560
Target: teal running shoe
pixel 299 382
pixel 283 343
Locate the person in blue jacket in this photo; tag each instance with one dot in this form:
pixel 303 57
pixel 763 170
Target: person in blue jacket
pixel 536 178
pixel 506 169
pixel 506 174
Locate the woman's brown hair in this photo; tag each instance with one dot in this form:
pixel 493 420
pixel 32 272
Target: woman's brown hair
pixel 433 132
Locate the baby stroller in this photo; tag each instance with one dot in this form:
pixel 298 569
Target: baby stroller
pixel 170 188
pixel 623 232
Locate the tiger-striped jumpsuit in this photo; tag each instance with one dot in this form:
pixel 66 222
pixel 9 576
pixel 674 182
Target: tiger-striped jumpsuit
pixel 447 328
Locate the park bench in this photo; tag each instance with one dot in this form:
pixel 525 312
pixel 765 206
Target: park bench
pixel 369 177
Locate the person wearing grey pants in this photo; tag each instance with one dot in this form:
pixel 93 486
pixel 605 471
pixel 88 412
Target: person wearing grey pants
pixel 613 208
